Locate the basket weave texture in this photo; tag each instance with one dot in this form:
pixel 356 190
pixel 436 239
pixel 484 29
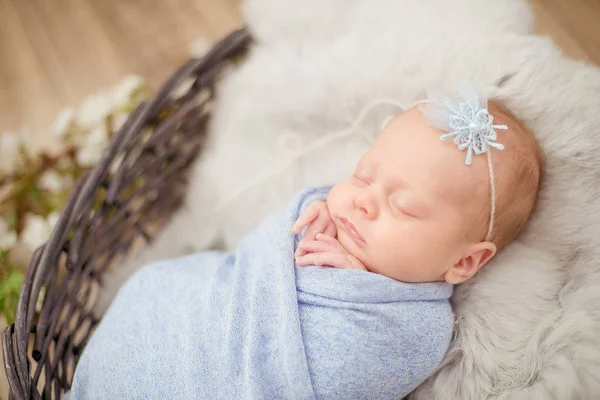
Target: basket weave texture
pixel 128 196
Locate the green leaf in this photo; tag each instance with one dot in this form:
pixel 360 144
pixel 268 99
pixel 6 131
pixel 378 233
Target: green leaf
pixel 9 294
pixel 12 221
pixel 34 192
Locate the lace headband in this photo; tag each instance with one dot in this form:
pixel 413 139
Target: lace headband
pixel 468 121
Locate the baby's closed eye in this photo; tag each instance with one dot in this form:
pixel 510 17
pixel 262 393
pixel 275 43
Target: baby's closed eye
pixel 401 206
pixel 361 180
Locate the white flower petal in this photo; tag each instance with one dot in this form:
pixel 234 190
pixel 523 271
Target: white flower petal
pixel 9 151
pixel 63 122
pixel 36 232
pixel 8 240
pixel 95 108
pixel 92 145
pixel 126 88
pixel 40 300
pixel 199 47
pixel 116 164
pixel 3 225
pixel 88 156
pixel 52 182
pixel 118 121
pixel 10 141
pixel 52 219
pixel 183 88
pixel 97 137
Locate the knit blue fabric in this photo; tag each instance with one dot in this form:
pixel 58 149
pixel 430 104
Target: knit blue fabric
pixel 253 325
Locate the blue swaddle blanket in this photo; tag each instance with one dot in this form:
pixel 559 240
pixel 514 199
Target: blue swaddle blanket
pixel 253 325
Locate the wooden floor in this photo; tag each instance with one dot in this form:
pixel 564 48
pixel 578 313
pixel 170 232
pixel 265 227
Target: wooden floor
pixel 55 52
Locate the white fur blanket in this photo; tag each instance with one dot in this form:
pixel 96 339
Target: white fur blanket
pixel 527 325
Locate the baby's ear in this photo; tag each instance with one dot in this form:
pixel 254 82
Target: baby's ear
pixel 474 257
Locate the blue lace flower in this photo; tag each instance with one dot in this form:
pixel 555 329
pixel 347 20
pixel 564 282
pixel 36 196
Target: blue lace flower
pixel 472 128
pixel 467 121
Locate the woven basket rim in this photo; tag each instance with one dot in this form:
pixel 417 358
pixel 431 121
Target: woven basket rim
pixel 186 122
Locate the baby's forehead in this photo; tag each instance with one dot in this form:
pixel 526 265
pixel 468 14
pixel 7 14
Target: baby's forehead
pixel 411 142
pixel 447 175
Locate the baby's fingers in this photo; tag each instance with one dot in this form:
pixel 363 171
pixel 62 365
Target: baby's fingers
pixel 313 246
pixel 331 230
pixel 317 226
pixel 308 216
pixel 331 241
pixel 321 224
pixel 323 259
pixel 301 249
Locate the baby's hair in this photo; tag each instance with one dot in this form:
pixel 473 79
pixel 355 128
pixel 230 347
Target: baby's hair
pixel 518 182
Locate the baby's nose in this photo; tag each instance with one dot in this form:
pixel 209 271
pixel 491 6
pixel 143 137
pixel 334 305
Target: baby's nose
pixel 366 205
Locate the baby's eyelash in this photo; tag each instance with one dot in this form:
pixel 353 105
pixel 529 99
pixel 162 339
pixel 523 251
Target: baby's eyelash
pixel 395 207
pixel 398 209
pixel 364 180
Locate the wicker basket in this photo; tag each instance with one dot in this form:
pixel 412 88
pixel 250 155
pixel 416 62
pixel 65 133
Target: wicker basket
pixel 137 185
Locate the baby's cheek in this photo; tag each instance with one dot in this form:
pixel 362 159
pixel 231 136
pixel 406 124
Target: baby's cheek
pixel 339 196
pixel 332 199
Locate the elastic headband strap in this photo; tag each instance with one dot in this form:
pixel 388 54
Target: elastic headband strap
pixel 460 140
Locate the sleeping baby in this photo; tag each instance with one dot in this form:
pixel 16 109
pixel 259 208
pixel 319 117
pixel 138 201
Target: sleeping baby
pixel 414 212
pixel 344 294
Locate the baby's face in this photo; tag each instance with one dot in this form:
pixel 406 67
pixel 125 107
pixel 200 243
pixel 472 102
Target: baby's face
pixel 409 211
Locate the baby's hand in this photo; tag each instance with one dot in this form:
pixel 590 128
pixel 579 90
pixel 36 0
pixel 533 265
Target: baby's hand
pixel 318 219
pixel 326 250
